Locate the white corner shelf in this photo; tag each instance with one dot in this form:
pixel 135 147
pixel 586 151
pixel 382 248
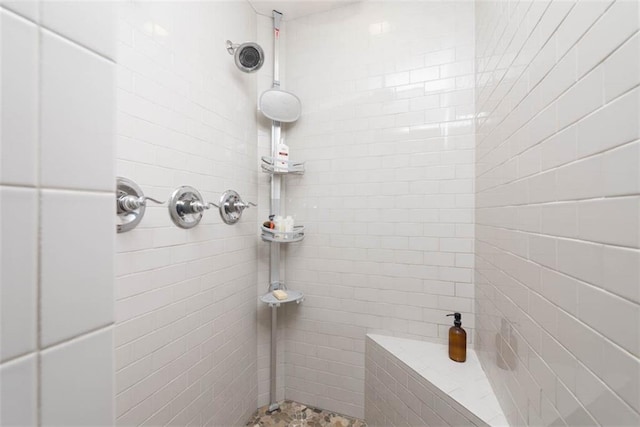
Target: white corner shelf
pixel 270 235
pixel 292 296
pixel 273 166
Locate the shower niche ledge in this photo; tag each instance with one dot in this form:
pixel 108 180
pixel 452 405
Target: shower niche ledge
pixel 281 167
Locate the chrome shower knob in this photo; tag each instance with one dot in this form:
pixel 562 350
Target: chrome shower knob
pixel 130 204
pixel 231 207
pixel 186 207
pixel 193 206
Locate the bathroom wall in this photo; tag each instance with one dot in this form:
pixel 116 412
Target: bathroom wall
pixel 185 337
pixel 387 197
pixel 56 213
pixel 558 212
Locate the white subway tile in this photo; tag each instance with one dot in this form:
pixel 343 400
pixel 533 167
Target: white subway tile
pixel 580 180
pixel 584 97
pixel 560 219
pixel 621 272
pixel 560 289
pixel 622 69
pixel 621 171
pixel 605 313
pixel 83 271
pixel 424 74
pixel 623 379
pixel 582 260
pixel 77 117
pixel 614 124
pixel 19 261
pixel 19 85
pixel 614 221
pixel 90 24
pixel 77 381
pixel 18 392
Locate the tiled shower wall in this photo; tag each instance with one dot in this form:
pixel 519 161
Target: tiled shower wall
pixel 56 213
pixel 185 311
pixel 558 211
pixel 387 197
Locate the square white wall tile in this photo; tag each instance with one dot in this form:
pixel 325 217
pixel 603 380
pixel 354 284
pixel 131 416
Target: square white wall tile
pixel 77 117
pixel 77 263
pixel 18 270
pixel 19 102
pixel 77 382
pixel 18 392
pixel 89 23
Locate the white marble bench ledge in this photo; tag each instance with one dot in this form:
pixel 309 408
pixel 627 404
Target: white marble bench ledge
pixel 463 386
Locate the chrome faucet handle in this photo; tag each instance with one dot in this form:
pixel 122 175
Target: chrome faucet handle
pixel 128 202
pixel 231 207
pixel 186 206
pixel 240 205
pixel 195 206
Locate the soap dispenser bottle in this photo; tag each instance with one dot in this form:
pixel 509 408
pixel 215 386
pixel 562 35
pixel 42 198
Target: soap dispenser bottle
pixel 457 340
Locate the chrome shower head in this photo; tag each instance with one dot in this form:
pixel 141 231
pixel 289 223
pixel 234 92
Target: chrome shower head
pixel 249 57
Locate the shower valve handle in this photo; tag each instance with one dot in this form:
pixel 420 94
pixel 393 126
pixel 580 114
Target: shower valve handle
pixel 231 207
pixel 239 206
pixel 195 206
pixel 128 203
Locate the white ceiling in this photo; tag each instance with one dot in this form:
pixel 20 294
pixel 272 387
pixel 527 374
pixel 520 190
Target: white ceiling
pixel 297 8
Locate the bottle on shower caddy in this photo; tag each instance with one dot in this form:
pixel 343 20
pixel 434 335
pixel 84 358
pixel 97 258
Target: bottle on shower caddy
pixel 282 157
pixel 278 225
pixel 288 224
pixel 457 339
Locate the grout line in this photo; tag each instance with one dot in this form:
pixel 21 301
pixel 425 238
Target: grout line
pixel 77 44
pixel 39 251
pixel 78 336
pixel 558 202
pixel 20 356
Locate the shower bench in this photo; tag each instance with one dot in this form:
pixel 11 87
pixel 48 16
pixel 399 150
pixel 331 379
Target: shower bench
pixel 410 382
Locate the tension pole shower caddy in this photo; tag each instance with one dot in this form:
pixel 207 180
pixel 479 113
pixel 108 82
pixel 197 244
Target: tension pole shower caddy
pixel 283 107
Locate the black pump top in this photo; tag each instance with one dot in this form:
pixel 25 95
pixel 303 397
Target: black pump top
pixel 457 318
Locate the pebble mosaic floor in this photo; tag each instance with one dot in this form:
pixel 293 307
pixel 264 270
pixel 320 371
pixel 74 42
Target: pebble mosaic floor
pixel 293 414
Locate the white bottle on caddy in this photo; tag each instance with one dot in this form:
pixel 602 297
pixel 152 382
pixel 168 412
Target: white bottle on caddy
pixel 288 224
pixel 282 157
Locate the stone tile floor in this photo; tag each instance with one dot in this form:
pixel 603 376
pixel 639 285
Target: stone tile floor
pixel 295 414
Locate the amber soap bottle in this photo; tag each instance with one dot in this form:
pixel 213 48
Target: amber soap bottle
pixel 457 339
